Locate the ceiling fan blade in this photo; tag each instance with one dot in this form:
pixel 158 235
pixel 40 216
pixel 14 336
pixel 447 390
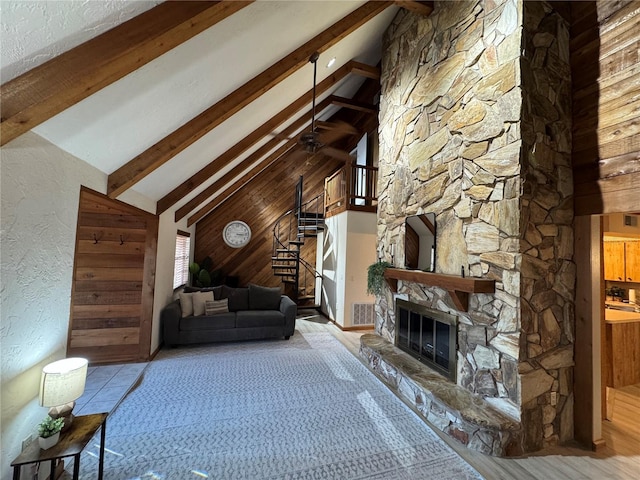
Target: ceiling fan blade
pixel 336 153
pixel 297 155
pixel 328 137
pixel 338 125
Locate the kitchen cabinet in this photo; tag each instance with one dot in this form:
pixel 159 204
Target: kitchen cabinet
pixel 622 261
pixel 632 261
pixel 622 348
pixel 614 261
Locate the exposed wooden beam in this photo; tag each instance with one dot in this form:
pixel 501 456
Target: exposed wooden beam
pixel 160 153
pixel 421 8
pixel 354 104
pixel 254 137
pixel 250 160
pixel 63 81
pixel 242 181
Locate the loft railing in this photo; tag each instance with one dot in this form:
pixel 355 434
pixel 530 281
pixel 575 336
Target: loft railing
pixel 353 187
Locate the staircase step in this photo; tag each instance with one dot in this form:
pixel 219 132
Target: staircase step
pixel 284 250
pixel 283 265
pixel 284 259
pixel 307 215
pixel 286 280
pixel 296 242
pixel 307 235
pixel 284 274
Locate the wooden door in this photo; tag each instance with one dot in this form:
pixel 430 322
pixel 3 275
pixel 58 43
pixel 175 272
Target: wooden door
pixel 113 281
pixel 614 261
pixel 632 261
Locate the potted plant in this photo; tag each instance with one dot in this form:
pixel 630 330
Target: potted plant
pixel 375 277
pixel 49 431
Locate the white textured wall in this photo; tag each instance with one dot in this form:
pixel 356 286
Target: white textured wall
pixel 334 250
pixel 349 247
pixel 361 252
pixel 55 27
pixel 167 231
pixel 40 189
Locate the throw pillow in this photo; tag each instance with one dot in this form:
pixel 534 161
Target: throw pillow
pixel 186 304
pixel 211 307
pixel 264 298
pixel 217 291
pixel 238 298
pixel 198 302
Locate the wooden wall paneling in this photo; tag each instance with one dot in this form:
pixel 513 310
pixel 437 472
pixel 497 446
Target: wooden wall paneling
pixel 259 203
pixel 114 271
pixel 589 371
pixel 148 286
pixel 605 60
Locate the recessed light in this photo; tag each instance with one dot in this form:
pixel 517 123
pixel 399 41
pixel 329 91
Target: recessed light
pixel 331 62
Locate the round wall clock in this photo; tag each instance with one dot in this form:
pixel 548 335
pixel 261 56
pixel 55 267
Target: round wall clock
pixel 236 234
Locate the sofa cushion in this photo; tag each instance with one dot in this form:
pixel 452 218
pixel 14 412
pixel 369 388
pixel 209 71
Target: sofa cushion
pixel 219 321
pixel 186 304
pixel 199 299
pixel 238 298
pixel 264 298
pixel 259 318
pixel 212 307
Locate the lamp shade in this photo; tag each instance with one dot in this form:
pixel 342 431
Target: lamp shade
pixel 63 381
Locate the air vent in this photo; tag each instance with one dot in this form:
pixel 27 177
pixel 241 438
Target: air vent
pixel 364 314
pixel 631 220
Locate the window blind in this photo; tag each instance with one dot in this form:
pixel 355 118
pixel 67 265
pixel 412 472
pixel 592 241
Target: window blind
pixel 181 266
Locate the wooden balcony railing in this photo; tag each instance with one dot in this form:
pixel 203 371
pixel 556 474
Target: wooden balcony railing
pixel 353 187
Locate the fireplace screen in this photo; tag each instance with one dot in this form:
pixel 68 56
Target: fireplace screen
pixel 427 335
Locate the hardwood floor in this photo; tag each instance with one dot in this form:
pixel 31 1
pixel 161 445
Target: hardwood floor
pixel 618 459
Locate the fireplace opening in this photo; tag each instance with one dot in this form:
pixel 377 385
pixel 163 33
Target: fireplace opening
pixel 428 335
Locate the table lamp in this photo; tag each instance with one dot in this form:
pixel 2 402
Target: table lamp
pixel 61 384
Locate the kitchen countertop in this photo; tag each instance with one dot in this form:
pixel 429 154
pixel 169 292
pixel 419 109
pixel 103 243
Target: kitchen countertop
pixel 619 316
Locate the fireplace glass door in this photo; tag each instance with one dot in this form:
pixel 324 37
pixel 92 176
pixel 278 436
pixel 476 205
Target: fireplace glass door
pixel 428 335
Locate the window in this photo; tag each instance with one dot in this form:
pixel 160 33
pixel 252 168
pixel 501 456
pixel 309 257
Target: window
pixel 181 266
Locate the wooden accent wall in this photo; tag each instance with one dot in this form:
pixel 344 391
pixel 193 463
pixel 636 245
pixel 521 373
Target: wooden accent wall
pixel 113 281
pixel 259 204
pixel 605 68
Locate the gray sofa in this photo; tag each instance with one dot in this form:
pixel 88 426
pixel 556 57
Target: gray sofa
pixel 254 312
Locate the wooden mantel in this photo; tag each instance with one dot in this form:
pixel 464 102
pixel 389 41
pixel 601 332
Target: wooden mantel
pixel 458 287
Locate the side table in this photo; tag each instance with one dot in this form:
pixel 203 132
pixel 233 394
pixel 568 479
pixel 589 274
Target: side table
pixel 71 444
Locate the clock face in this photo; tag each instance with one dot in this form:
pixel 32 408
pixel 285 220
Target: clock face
pixel 236 234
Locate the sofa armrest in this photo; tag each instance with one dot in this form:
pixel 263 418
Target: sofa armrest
pixel 289 308
pixel 170 320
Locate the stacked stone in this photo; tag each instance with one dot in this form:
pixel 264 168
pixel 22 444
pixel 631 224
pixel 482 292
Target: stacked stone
pixel 476 128
pixel 548 273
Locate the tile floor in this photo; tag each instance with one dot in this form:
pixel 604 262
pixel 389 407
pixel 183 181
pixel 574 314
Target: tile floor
pixel 107 386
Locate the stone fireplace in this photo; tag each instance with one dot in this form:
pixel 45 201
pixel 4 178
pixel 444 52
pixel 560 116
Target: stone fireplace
pixel 475 126
pixel 428 335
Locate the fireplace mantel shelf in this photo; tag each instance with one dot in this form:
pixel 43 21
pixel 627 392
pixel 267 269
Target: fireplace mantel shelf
pixel 458 287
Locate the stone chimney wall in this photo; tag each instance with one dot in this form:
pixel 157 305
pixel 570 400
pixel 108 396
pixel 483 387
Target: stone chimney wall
pixel 475 127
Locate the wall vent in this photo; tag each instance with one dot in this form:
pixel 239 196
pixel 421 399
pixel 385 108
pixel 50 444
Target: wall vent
pixel 364 314
pixel 631 221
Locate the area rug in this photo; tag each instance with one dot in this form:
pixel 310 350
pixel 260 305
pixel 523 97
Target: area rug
pixel 305 408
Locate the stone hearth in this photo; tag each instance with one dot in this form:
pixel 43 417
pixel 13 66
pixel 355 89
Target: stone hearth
pixel 451 409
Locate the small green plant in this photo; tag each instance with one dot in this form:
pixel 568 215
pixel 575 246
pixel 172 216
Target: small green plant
pixel 202 273
pixel 375 277
pixel 50 426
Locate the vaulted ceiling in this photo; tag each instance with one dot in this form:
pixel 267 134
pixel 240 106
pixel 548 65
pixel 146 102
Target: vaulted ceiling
pixel 176 100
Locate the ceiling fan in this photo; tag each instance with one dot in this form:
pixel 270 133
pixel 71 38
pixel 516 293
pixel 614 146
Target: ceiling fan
pixel 313 141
